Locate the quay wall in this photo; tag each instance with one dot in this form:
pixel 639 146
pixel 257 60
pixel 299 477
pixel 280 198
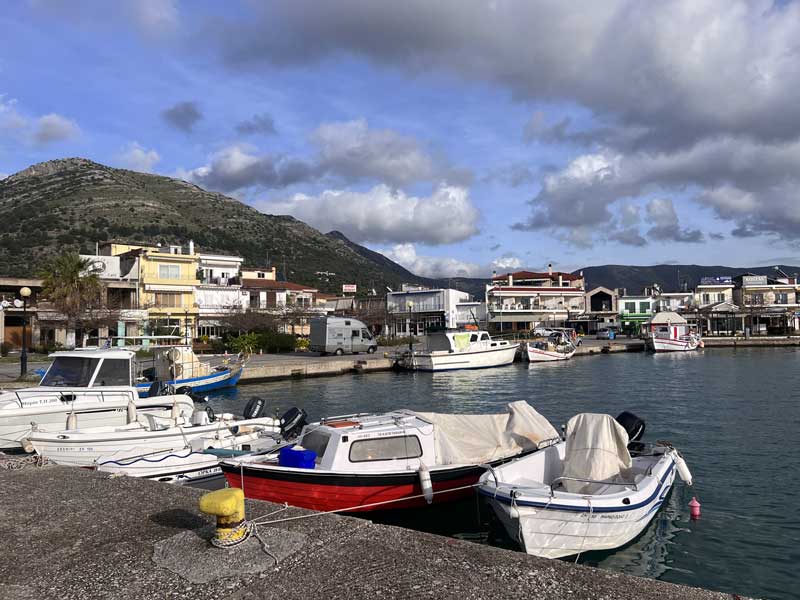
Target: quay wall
pixel 76 534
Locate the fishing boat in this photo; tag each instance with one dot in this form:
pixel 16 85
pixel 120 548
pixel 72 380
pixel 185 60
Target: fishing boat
pixel 146 433
pixel 449 351
pixel 667 331
pixel 94 386
pixel 198 461
pixel 557 346
pixel 596 490
pixel 179 368
pixel 395 460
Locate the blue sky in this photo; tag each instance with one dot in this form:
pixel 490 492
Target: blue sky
pixel 456 137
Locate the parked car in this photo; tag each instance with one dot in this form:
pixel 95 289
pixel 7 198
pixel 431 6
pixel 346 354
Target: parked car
pixel 607 333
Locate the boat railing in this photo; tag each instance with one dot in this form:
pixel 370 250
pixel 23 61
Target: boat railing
pixel 558 480
pixel 71 394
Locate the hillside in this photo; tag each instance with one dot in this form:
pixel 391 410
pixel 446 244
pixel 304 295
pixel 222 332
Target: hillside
pixel 74 203
pixel 669 277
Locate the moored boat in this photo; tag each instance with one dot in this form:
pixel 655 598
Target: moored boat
pixel 453 350
pixel 400 459
pixel 96 386
pixel 179 368
pixel 557 346
pixel 589 492
pixel 667 331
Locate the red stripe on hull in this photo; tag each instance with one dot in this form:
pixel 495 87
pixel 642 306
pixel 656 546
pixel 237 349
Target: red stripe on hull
pixel 338 497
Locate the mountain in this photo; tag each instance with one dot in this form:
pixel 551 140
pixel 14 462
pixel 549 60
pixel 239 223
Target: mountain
pixel 70 204
pixel 669 277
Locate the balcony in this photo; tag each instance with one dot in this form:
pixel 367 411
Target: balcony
pixel 421 307
pixel 221 281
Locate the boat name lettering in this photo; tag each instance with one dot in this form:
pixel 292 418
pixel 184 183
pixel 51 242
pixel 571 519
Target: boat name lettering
pixel 604 516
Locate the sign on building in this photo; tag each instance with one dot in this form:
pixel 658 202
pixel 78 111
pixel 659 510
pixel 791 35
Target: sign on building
pixel 754 280
pixel 349 288
pixel 720 280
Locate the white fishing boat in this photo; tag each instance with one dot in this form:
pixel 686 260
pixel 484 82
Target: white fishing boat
pixel 198 461
pixel 179 368
pixel 557 346
pixel 96 386
pixel 83 447
pixel 586 493
pixel 449 351
pixel 668 331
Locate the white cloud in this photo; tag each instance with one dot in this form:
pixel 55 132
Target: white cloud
pixel 54 128
pixel 386 215
pixel 431 266
pixel 137 158
pixel 154 16
pixel 506 263
pixel 3 176
pixel 19 127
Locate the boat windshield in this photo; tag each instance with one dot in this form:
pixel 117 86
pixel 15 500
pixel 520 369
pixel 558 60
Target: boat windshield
pixel 70 371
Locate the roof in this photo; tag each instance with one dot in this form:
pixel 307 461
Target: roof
pixel 667 317
pixel 96 353
pixel 533 275
pixel 270 284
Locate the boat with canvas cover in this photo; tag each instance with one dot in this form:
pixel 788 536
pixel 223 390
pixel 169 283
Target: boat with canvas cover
pixel 82 447
pixel 557 346
pixel 667 331
pixel 179 368
pixel 399 459
pixel 96 386
pixel 453 350
pixel 596 490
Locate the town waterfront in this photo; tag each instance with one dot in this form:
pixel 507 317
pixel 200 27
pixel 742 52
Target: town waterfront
pixel 732 413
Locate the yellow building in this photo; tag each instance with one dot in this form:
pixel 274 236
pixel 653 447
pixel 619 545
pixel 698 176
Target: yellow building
pixel 167 283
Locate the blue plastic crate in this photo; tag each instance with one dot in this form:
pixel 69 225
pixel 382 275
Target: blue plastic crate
pixel 296 457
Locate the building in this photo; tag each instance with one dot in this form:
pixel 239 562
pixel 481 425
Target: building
pixel 415 310
pixel 713 290
pixel 11 311
pixel 292 304
pixel 769 305
pixel 634 311
pixel 260 273
pixel 674 301
pixel 524 300
pixel 602 310
pixel 219 292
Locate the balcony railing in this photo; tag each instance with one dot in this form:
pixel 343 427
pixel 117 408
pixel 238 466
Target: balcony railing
pixel 416 307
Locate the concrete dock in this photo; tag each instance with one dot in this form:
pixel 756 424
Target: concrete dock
pixel 74 534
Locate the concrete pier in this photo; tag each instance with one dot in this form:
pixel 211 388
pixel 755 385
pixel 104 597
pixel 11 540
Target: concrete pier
pixel 288 366
pixel 74 534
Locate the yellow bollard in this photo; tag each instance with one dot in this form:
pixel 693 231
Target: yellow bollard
pixel 228 506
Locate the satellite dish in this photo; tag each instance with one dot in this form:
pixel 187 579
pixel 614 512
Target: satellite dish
pixel 99 266
pixel 18 303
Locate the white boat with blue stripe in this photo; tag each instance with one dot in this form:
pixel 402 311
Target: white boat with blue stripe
pixel 179 368
pixel 587 493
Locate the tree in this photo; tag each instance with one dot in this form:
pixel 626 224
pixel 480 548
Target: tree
pixel 75 291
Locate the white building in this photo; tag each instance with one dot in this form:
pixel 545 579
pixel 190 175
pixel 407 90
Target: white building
pixel 219 292
pixel 416 310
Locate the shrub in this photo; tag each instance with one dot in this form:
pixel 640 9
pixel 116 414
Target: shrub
pixel 4 348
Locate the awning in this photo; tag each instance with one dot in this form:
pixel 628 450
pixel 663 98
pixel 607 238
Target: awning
pixel 168 288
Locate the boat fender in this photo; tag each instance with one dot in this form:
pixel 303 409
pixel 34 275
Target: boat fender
pixel 72 420
pixel 683 470
pixel 210 413
pixel 694 508
pixel 176 411
pixel 27 446
pixel 132 415
pixel 425 482
pixel 254 408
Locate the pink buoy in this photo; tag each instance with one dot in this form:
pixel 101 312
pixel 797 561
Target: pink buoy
pixel 694 509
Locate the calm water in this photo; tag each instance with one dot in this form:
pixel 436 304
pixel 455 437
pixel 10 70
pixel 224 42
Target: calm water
pixel 734 415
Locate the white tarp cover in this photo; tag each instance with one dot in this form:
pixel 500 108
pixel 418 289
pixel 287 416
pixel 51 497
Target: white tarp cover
pixel 667 317
pixel 476 439
pixel 597 449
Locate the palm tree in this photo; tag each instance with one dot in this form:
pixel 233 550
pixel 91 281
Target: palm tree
pixel 73 288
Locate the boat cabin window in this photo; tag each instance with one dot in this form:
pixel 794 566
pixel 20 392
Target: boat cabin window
pixel 484 337
pixel 113 372
pixel 473 337
pixel 70 371
pixel 391 448
pixel 316 441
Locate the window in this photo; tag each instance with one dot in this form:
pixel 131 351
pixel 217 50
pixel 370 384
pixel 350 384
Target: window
pixel 485 337
pixel 630 307
pixel 757 299
pixel 781 298
pixel 356 333
pixel 706 298
pixel 167 299
pixel 169 271
pixel 644 307
pixel 261 275
pixel 473 337
pixel 392 448
pixel 70 371
pixel 366 334
pixel 721 297
pixel 316 441
pixel 113 372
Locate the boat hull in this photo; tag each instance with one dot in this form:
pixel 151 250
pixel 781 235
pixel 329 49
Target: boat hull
pixel 452 361
pixel 206 383
pixel 539 355
pixel 670 345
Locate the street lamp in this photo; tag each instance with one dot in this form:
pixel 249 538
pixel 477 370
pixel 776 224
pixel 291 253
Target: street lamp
pixel 25 293
pixel 410 305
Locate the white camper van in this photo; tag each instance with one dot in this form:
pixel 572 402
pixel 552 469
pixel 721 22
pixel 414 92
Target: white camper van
pixel 338 335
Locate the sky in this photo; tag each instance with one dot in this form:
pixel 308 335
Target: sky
pixel 456 137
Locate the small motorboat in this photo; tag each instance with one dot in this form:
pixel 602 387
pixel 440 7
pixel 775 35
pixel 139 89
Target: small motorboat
pixel 198 461
pixel 557 346
pixel 146 433
pixel 94 385
pixel 668 331
pixel 597 490
pixel 400 459
pixel 179 368
pixel 453 350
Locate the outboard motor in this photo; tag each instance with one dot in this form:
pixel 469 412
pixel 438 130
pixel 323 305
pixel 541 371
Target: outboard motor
pixel 635 428
pixel 156 388
pixel 254 408
pixel 292 421
pixel 187 391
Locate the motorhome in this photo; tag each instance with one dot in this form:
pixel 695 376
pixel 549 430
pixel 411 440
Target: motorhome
pixel 337 335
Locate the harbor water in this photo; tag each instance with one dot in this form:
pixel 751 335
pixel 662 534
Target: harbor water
pixel 733 413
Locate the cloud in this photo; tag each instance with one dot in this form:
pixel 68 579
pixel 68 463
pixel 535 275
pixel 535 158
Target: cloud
pixel 237 167
pixel 38 131
pixel 507 262
pixel 515 175
pixel 628 236
pixel 431 266
pixel 183 116
pixel 149 17
pixel 661 213
pixel 137 158
pixel 386 215
pixel 260 123
pixel 54 128
pixel 154 16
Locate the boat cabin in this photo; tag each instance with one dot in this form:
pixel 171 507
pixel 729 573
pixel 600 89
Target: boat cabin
pixel 386 442
pixel 668 325
pixel 90 369
pixel 170 363
pixel 462 341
